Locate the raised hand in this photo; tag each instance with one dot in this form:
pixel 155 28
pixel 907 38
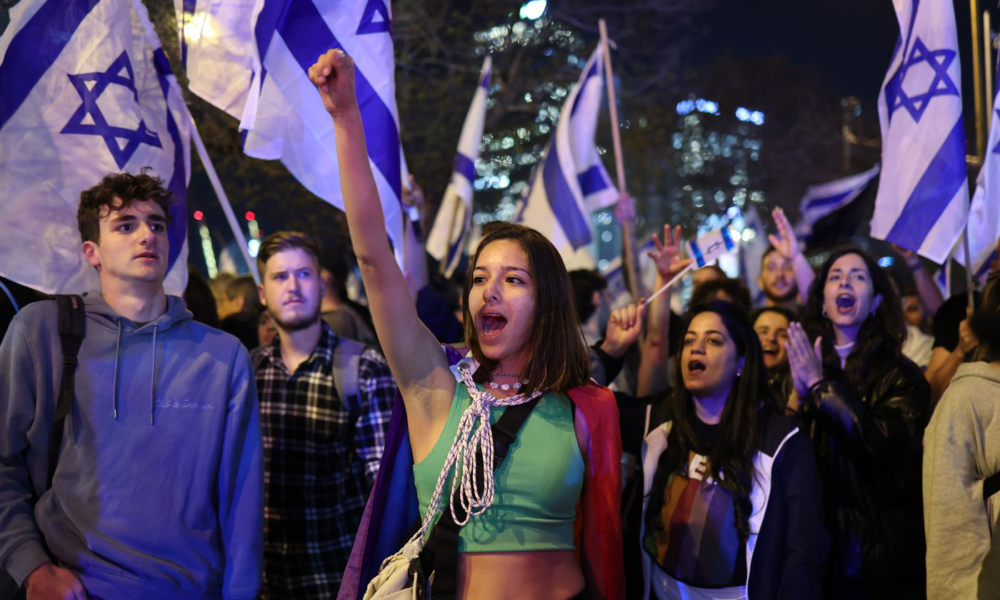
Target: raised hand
pixel 333 76
pixel 967 340
pixel 623 329
pixel 785 242
pixel 413 194
pixel 805 359
pixel 666 256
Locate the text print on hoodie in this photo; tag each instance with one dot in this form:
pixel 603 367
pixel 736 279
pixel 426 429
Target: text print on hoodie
pixel 158 490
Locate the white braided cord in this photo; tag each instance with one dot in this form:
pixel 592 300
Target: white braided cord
pixel 470 439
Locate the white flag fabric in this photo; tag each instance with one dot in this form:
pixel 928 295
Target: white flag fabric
pixel 446 241
pixel 752 253
pixel 571 179
pixel 251 59
pixel 217 50
pixel 822 199
pixel 923 197
pixel 86 91
pixel 984 214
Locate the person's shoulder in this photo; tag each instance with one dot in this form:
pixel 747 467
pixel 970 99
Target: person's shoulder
pixel 42 311
pixel 973 384
pixel 209 339
pixel 777 430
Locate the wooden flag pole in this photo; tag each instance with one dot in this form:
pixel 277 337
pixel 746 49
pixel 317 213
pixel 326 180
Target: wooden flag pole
pixel 977 87
pixel 628 246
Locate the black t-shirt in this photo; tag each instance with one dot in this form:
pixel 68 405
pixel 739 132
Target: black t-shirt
pixel 947 319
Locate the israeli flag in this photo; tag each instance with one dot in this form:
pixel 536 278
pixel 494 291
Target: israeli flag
pixel 984 214
pixel 573 181
pixel 217 50
pixel 822 199
pixel 447 239
pixel 87 91
pixel 709 247
pixel 752 252
pixel 251 59
pixel 923 197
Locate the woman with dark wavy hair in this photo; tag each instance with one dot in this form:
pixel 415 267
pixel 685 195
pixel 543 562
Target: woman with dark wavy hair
pixel 868 406
pixel 523 344
pixel 732 497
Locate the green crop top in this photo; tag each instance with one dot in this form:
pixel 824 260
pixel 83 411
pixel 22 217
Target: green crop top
pixel 537 485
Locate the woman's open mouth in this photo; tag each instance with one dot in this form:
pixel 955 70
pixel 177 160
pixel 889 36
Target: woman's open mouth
pixel 845 303
pixel 493 324
pixel 696 367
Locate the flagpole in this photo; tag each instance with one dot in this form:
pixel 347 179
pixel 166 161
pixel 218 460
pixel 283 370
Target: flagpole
pixel 628 247
pixel 977 84
pixel 227 208
pixel 988 65
pixel 977 87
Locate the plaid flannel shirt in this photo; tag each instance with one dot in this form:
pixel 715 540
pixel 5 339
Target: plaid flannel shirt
pixel 321 456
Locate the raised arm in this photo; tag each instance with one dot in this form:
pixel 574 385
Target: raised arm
pixel 788 246
pixel 653 376
pixel 415 357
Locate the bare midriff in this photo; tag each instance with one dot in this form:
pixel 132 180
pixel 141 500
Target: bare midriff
pixel 546 575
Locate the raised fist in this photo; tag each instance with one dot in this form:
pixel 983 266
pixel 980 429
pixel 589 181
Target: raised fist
pixel 333 76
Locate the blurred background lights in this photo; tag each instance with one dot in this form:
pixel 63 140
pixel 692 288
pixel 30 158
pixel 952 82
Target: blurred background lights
pixel 533 9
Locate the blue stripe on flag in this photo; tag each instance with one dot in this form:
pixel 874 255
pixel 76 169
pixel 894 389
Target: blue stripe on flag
pixel 591 181
pixel 727 239
pixel 35 48
pixel 699 259
pixel 818 202
pixel 465 167
pixel 304 31
pixel 561 200
pixel 177 232
pixel 591 73
pixel 455 248
pixel 933 193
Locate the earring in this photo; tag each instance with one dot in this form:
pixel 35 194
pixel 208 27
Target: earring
pixel 824 312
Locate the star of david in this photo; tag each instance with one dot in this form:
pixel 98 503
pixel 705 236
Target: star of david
pixel 369 24
pixel 100 126
pixel 941 85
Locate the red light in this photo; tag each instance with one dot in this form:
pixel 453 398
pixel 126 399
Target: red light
pixel 198 215
pixel 250 216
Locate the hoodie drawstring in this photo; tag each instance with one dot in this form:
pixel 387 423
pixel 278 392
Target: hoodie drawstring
pixel 114 383
pixel 152 383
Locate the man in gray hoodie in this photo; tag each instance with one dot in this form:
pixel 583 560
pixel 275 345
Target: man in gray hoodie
pixel 158 487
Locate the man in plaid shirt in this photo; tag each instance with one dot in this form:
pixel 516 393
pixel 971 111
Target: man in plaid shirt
pixel 321 451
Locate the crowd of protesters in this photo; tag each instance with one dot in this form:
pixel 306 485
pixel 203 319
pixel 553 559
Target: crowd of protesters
pixel 835 438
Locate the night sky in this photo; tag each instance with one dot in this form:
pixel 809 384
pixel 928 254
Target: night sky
pixel 850 41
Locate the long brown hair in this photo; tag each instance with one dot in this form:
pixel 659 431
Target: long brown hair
pixel 731 457
pixel 557 359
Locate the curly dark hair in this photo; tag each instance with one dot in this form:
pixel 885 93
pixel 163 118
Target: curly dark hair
pixel 117 191
pixel 558 360
pixel 731 457
pixel 879 344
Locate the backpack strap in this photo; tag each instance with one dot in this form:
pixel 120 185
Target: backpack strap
pixel 72 326
pixel 443 561
pixel 991 485
pixel 346 362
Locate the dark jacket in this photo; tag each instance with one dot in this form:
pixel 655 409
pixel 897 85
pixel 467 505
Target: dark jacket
pixel 788 545
pixel 868 446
